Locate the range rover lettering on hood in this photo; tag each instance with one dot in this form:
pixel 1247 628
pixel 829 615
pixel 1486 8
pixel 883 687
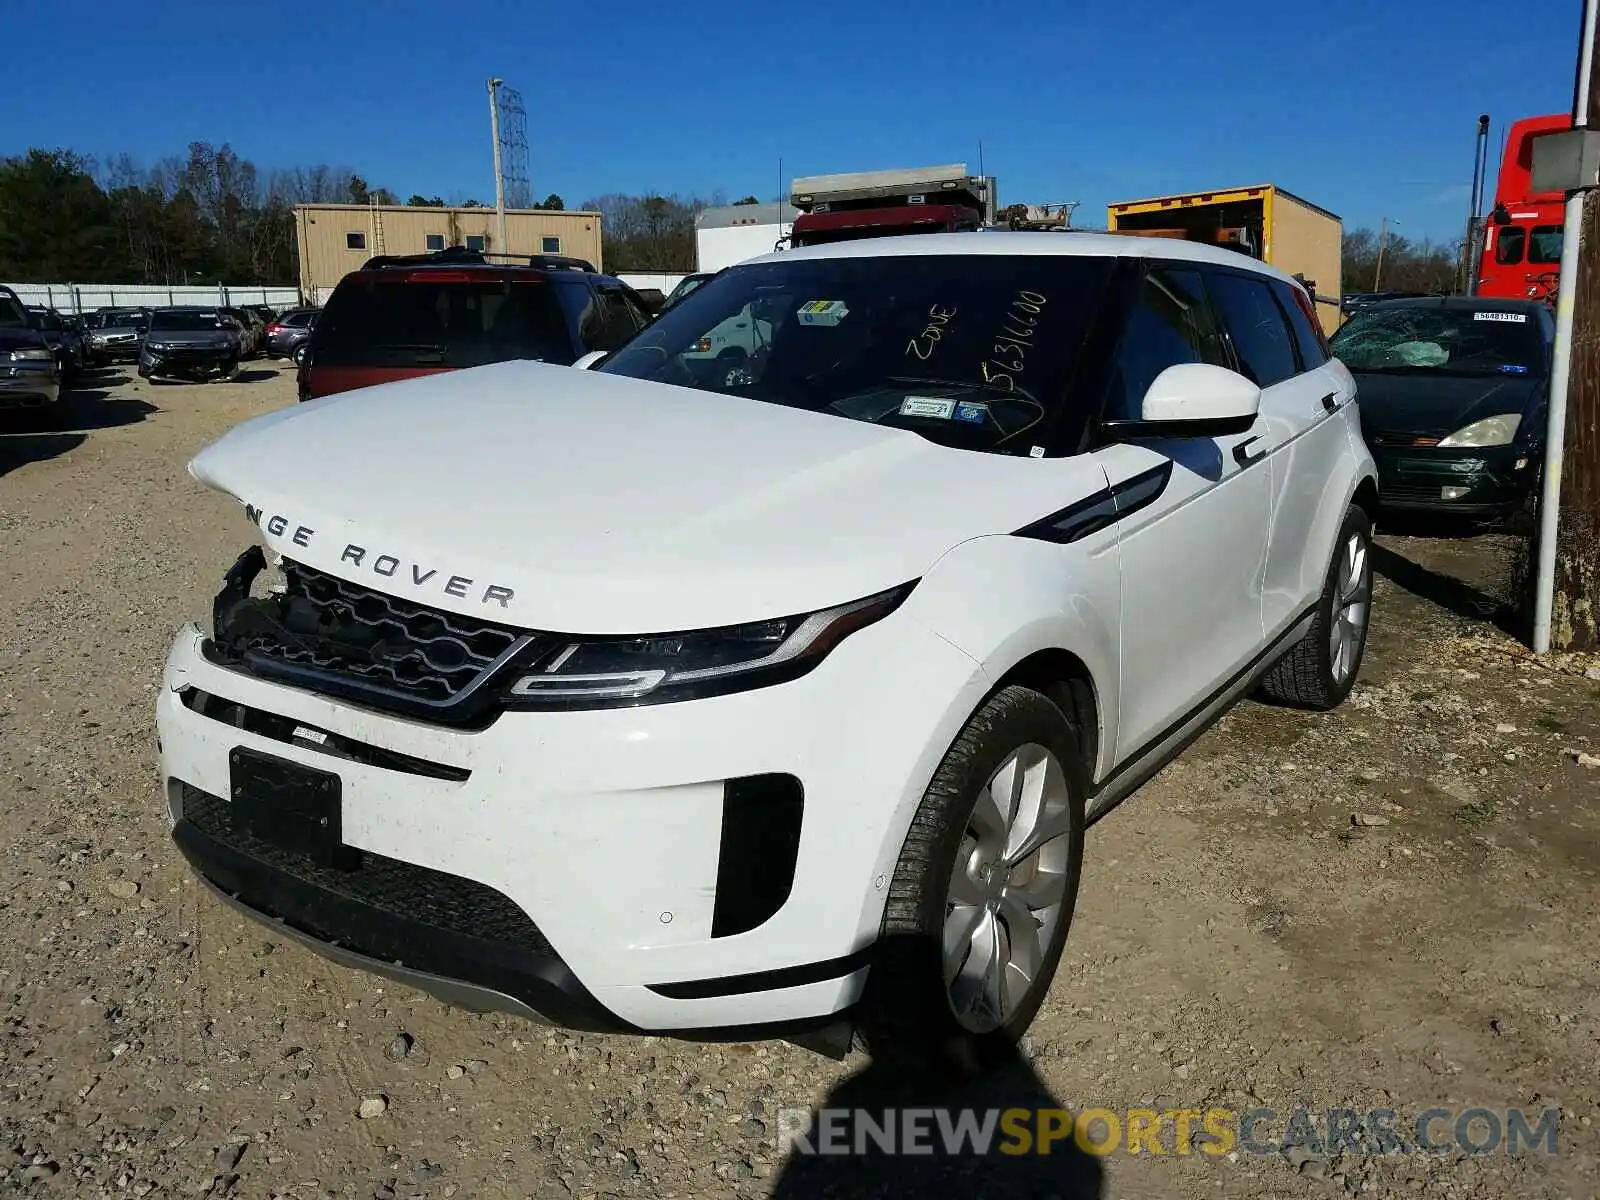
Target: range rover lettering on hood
pixel 386 566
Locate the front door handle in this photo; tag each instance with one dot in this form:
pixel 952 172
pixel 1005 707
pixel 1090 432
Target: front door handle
pixel 1331 402
pixel 1242 455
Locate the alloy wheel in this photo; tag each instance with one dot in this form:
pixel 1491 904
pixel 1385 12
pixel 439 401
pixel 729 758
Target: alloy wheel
pixel 1352 602
pixel 1007 888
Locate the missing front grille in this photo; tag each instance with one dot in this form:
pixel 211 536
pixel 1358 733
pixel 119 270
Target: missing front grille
pixel 334 635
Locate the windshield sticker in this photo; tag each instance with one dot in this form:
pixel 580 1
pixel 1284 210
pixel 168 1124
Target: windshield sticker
pixel 927 406
pixel 1514 318
pixel 973 412
pixel 822 312
pixel 923 344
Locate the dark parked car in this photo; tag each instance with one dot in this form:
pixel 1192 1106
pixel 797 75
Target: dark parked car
pixel 64 341
pixel 29 375
pixel 1452 392
pixel 190 343
pixel 403 316
pixel 266 312
pixel 289 332
pixel 252 330
pixel 116 334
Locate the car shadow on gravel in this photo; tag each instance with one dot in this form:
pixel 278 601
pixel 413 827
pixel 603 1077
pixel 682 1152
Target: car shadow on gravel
pixel 1454 595
pixel 895 1128
pixel 90 411
pixel 20 449
pixel 254 376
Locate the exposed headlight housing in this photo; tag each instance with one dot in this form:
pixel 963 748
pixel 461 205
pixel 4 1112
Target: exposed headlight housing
pixel 1491 431
pixel 616 672
pixel 33 355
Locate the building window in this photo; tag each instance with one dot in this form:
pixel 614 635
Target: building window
pixel 435 241
pixel 478 242
pixel 552 245
pixel 355 241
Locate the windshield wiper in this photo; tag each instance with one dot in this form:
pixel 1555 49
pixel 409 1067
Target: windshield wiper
pixel 969 385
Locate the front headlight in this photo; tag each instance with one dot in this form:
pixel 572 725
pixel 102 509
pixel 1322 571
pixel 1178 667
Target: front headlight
pixel 1491 431
pixel 32 356
pixel 609 672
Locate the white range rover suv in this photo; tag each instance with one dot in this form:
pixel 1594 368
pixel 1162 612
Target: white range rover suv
pixel 673 697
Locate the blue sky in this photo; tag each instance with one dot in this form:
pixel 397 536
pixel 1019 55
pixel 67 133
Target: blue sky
pixel 1367 107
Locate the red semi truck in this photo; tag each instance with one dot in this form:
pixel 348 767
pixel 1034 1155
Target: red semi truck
pixel 1522 237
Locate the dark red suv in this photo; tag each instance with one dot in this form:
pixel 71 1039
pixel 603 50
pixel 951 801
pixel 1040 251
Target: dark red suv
pixel 406 315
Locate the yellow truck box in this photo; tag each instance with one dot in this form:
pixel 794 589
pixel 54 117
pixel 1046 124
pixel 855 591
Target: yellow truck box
pixel 1263 221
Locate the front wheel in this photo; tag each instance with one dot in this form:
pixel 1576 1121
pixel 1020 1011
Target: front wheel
pixel 1320 669
pixel 983 893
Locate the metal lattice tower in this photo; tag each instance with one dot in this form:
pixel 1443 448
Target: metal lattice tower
pixel 514 147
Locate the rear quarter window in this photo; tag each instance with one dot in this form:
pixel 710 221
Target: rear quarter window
pixel 1308 337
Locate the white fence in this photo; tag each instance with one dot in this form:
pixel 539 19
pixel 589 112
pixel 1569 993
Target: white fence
pixel 86 297
pixel 665 283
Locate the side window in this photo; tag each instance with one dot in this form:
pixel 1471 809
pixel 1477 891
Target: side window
pixel 477 241
pixel 1171 323
pixel 1544 247
pixel 613 321
pixel 636 307
pixel 1261 340
pixel 434 242
pixel 1303 324
pixel 1509 244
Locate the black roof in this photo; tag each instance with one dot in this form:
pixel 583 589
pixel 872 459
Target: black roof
pixel 460 256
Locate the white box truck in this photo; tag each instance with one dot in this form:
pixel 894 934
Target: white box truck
pixel 728 235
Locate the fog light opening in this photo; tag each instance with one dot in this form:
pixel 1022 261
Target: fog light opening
pixel 1452 493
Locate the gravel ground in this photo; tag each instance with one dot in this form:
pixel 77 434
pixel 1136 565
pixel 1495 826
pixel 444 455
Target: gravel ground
pixel 1390 906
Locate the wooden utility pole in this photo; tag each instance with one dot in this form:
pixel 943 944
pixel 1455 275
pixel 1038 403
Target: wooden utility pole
pixel 1383 244
pixel 1567 600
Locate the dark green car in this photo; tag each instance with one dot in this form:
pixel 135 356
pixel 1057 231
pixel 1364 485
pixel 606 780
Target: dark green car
pixel 1452 392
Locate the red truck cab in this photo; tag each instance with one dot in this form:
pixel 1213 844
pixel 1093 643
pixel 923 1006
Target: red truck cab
pixel 1522 237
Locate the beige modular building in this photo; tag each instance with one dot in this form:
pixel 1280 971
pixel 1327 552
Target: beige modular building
pixel 335 239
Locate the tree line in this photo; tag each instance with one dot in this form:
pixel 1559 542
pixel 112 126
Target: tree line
pixel 1427 266
pixel 212 215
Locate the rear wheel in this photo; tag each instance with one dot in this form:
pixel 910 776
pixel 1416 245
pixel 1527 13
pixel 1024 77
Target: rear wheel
pixel 1319 671
pixel 983 893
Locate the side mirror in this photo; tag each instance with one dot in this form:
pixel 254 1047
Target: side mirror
pixel 588 361
pixel 1193 400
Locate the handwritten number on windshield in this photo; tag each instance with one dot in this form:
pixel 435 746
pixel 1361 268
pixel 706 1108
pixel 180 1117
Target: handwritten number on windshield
pixel 925 342
pixel 1014 341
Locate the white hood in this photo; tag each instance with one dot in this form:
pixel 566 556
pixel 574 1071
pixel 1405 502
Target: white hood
pixel 604 504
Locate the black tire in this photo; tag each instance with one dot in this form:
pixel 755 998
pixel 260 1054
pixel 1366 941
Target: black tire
pixel 906 1014
pixel 1304 677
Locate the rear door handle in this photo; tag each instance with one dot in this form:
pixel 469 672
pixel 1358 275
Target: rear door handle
pixel 1331 402
pixel 1242 455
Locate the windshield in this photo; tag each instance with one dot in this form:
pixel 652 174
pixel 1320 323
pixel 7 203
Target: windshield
pixel 974 351
pixel 403 324
pixel 687 285
pixel 169 321
pixel 125 319
pixel 1445 341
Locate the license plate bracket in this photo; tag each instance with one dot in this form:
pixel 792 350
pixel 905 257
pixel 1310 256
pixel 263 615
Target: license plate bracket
pixel 285 804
